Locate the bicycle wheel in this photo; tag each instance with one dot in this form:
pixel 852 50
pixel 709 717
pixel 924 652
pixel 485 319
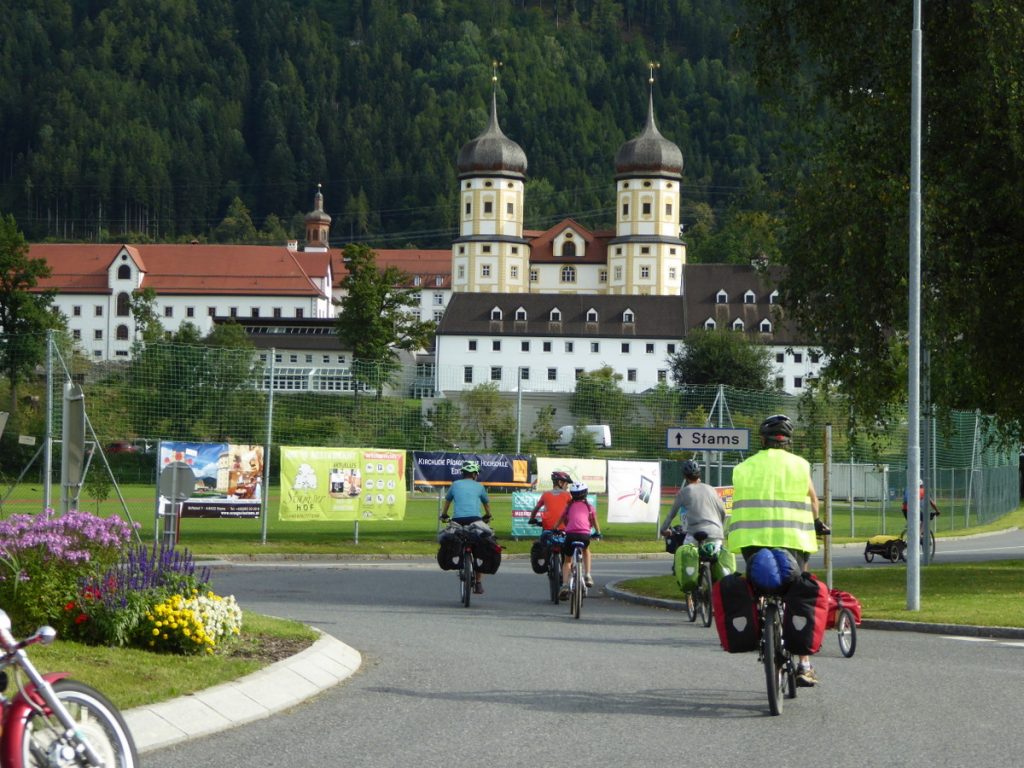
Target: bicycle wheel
pixel 576 604
pixel 97 721
pixel 931 551
pixel 466 577
pixel 704 593
pixel 691 606
pixel 847 629
pixel 774 673
pixel 554 575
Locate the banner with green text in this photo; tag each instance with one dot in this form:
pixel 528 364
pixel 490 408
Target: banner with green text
pixel 342 484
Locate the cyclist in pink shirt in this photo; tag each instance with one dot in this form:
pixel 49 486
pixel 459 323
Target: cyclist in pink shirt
pixel 578 519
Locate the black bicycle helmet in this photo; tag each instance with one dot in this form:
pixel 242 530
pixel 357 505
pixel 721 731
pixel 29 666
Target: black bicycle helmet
pixel 691 469
pixel 777 428
pixel 560 477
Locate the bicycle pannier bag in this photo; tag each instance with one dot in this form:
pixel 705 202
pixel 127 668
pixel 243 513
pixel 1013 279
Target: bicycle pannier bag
pixel 539 556
pixel 723 565
pixel 806 614
pixel 687 566
pixel 674 541
pixel 487 553
pixel 735 610
pixel 449 551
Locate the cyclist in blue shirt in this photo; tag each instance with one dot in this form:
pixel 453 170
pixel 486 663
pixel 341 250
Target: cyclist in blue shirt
pixel 469 496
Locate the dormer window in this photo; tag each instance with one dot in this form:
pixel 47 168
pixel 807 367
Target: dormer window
pixel 628 316
pixel 124 272
pixel 721 297
pixel 766 326
pixel 555 316
pixel 710 324
pixel 439 280
pixel 496 313
pixel 417 280
pixel 568 249
pixel 591 315
pixel 737 324
pixel 521 314
pixel 774 297
pixel 749 297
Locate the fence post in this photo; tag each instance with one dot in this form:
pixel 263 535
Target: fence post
pixel 265 496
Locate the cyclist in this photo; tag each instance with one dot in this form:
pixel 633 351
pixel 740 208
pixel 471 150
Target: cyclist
pixel 578 519
pixel 920 495
pixel 553 503
pixel 703 509
pixel 774 505
pixel 468 496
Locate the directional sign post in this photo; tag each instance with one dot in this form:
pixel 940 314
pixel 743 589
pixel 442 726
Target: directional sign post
pixel 707 439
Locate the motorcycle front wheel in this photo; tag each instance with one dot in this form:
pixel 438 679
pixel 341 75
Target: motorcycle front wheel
pixel 97 721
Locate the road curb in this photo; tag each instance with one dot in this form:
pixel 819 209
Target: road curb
pixel 964 630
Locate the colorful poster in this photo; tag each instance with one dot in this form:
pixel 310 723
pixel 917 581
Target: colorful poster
pixel 725 494
pixel 523 503
pixel 590 472
pixel 342 484
pixel 500 470
pixel 228 478
pixel 634 491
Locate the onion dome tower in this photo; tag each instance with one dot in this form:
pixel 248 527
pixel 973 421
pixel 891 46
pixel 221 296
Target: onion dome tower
pixel 318 225
pixel 646 256
pixel 490 255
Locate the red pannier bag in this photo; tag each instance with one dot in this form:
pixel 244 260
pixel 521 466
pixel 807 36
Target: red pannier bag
pixel 838 599
pixel 806 614
pixel 735 609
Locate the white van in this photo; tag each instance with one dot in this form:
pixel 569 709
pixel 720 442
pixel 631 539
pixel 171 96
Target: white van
pixel 601 434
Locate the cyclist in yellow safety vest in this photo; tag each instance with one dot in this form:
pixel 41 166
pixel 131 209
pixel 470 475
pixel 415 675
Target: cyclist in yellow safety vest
pixel 774 505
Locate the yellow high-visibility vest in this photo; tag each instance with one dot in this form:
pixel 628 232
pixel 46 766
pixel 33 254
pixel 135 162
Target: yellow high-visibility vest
pixel 770 507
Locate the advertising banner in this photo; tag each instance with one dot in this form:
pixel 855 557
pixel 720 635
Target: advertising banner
pixel 591 472
pixel 503 470
pixel 228 478
pixel 634 491
pixel 523 503
pixel 341 484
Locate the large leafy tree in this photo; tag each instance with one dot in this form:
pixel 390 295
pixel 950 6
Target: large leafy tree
pixel 25 315
pixel 722 357
pixel 847 229
pixel 379 316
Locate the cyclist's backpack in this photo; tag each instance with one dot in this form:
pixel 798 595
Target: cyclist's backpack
pixel 449 551
pixel 723 565
pixel 805 615
pixel 487 553
pixel 773 570
pixel 687 567
pixel 735 610
pixel 539 556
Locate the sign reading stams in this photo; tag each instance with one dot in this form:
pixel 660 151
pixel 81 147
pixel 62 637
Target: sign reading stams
pixel 707 439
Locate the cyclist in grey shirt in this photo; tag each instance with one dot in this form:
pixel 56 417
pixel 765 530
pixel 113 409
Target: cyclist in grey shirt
pixel 703 511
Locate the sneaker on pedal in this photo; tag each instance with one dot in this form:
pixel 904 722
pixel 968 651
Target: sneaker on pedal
pixel 805 677
pixel 563 593
pixel 478 588
pixel 588 581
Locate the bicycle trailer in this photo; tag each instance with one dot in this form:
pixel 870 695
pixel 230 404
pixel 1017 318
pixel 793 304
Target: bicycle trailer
pixel 883 545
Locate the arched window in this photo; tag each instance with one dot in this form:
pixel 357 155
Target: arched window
pixel 568 274
pixel 123 305
pixel 122 333
pixel 569 248
pixel 124 272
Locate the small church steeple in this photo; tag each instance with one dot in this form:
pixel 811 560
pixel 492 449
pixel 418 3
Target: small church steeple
pixel 318 225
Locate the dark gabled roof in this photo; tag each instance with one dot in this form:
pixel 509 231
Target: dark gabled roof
pixel 653 316
pixel 702 283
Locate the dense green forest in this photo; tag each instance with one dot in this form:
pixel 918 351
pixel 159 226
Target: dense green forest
pixel 143 120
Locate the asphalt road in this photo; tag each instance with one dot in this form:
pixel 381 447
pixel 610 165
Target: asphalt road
pixel 514 681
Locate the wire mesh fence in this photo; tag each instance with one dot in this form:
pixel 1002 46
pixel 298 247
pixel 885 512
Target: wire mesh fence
pixel 169 391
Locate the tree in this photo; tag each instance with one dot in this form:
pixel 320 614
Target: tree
pixel 722 357
pixel 25 314
pixel 378 317
pixel 142 305
pixel 236 226
pixel 847 224
pixel 488 418
pixel 598 399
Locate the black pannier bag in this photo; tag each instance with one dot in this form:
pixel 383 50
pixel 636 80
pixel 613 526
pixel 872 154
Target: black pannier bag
pixel 449 551
pixel 735 609
pixel 539 554
pixel 487 554
pixel 806 615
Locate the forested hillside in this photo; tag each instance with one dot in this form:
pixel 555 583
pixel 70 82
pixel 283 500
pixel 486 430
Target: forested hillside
pixel 145 119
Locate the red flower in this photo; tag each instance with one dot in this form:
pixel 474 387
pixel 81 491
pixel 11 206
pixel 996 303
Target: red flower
pixel 81 618
pixel 70 606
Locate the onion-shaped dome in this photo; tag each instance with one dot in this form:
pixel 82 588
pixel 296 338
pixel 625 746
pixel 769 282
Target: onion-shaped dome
pixel 492 151
pixel 649 152
pixel 318 213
